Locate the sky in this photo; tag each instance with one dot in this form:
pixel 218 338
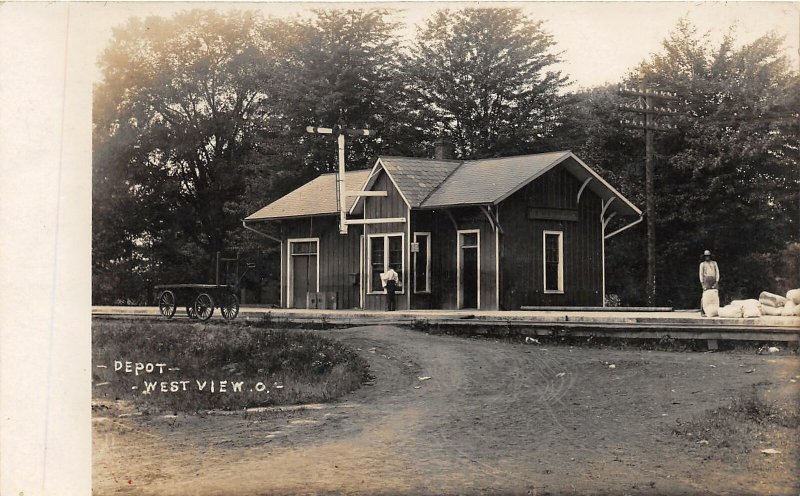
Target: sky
pixel 600 41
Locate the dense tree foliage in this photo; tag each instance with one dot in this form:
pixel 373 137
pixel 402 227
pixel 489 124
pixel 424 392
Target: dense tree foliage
pixel 177 112
pixel 345 71
pixel 484 78
pixel 200 119
pixel 726 178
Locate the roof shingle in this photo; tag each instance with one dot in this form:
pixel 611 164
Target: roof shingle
pixel 317 197
pixel 432 183
pixel 418 177
pixel 485 181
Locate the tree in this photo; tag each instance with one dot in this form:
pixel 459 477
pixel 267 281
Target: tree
pixel 732 167
pixel 592 130
pixel 726 178
pixel 176 115
pixel 344 70
pixel 484 78
pixel 340 65
pixel 200 120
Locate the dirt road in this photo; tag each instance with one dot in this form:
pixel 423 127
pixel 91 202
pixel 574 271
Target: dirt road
pixel 494 417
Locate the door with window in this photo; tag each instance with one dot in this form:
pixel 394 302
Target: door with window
pixel 303 271
pixel 469 268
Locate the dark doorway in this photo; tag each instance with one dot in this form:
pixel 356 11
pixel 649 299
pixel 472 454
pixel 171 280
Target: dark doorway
pixel 469 281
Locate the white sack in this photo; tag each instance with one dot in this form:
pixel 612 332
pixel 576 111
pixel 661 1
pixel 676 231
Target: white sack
pixel 788 309
pixel 794 296
pixel 771 299
pixel 768 310
pixel 711 302
pixel 741 303
pixel 751 309
pixel 796 312
pixel 730 312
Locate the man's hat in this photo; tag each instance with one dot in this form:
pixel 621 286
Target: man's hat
pixel 706 253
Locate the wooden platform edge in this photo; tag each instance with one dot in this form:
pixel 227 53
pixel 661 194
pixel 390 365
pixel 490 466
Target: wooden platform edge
pixel 596 309
pixel 510 328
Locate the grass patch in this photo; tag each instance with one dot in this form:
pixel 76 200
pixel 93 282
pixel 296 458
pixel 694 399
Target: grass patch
pixel 245 366
pixel 749 423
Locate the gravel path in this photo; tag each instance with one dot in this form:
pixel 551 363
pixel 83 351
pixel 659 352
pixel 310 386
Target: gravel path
pixel 494 417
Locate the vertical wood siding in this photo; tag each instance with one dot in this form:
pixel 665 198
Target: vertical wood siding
pixel 444 252
pixel 338 257
pixel 521 246
pixel 521 252
pixel 376 207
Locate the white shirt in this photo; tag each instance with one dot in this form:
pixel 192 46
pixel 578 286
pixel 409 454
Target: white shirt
pixel 709 268
pixel 389 275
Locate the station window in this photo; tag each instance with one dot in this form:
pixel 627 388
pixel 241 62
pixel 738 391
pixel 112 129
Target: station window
pixel 553 250
pixel 385 250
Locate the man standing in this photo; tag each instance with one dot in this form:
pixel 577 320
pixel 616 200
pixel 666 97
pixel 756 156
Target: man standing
pixel 709 274
pixel 390 281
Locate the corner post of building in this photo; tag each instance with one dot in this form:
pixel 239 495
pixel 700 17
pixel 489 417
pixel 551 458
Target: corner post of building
pixel 603 224
pixel 497 257
pixel 284 275
pixel 409 275
pixel 341 187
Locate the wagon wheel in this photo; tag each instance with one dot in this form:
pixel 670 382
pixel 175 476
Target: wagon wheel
pixel 190 311
pixel 204 306
pixel 229 308
pixel 166 304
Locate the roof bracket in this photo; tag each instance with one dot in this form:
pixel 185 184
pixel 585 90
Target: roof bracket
pixel 268 236
pixel 485 212
pixel 583 186
pixel 608 219
pixel 624 228
pixel 490 214
pixel 605 207
pixel 452 219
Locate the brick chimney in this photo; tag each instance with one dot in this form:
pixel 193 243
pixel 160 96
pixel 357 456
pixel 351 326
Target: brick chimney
pixel 443 149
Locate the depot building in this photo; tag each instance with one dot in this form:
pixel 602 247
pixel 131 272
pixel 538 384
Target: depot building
pixel 485 234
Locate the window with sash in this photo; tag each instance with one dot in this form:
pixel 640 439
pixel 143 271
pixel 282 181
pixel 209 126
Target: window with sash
pixel 385 250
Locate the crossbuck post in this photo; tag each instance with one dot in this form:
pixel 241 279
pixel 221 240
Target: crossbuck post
pixel 341 192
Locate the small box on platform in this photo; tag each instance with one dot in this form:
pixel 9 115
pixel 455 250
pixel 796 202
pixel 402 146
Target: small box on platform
pixel 322 300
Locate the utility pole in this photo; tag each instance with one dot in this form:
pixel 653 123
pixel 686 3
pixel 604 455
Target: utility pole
pixel 341 193
pixel 646 106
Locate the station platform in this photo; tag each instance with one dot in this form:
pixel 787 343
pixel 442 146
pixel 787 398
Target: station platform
pixel 678 324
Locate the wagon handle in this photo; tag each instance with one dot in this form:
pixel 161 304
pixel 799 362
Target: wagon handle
pixel 250 265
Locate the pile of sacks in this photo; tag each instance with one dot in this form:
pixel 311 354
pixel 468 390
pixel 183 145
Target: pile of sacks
pixel 772 304
pixel 766 304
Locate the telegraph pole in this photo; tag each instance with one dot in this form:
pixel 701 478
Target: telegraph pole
pixel 646 106
pixel 341 192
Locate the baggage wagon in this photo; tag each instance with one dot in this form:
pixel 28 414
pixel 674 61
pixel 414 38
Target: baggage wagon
pixel 198 299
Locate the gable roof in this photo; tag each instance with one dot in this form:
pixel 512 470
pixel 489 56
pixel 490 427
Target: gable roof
pixel 432 183
pixel 417 178
pixel 317 197
pixel 487 181
pixel 490 181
